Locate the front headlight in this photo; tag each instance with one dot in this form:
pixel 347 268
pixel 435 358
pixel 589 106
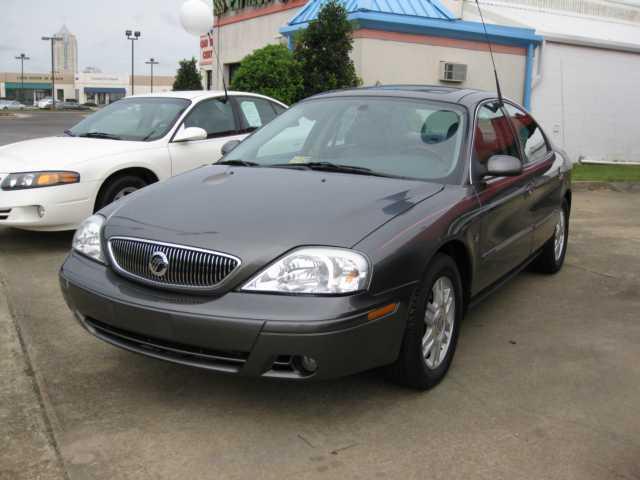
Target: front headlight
pixel 314 270
pixel 21 181
pixel 87 238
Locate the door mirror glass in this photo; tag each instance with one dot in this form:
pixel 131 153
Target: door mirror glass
pixel 503 166
pixel 190 134
pixel 230 145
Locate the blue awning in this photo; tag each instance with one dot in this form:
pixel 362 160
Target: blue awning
pixel 122 91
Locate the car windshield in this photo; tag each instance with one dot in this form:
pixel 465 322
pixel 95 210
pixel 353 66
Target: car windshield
pixel 137 119
pixel 367 135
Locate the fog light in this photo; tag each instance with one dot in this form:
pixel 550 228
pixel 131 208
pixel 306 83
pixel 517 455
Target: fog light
pixel 308 364
pixel 41 211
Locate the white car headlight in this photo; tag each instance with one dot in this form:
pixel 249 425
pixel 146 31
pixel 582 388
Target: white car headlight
pixel 314 270
pixel 87 238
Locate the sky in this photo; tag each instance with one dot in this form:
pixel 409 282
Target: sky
pixel 99 26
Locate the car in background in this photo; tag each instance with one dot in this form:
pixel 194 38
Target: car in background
pixel 359 242
pixel 54 183
pixel 71 105
pixel 11 105
pixel 46 102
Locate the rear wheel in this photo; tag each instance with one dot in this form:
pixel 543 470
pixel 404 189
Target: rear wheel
pixel 118 188
pixel 553 252
pixel 431 335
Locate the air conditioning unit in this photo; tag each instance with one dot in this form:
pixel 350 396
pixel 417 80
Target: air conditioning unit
pixel 453 72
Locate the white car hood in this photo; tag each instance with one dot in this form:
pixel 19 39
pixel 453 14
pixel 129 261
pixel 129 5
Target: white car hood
pixel 58 153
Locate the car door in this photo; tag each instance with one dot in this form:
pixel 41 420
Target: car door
pixel 505 240
pixel 542 173
pixel 218 118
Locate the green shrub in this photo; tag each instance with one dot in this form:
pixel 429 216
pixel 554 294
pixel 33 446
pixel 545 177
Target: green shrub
pixel 271 71
pixel 188 77
pixel 323 49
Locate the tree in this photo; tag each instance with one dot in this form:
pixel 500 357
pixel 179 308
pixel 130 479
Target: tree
pixel 323 51
pixel 188 77
pixel 271 71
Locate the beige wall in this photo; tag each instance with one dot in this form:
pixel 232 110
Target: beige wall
pixel 401 62
pixel 237 40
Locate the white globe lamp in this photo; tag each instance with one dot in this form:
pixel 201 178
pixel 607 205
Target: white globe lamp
pixel 196 17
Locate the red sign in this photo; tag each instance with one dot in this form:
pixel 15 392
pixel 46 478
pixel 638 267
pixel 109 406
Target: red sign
pixel 206 50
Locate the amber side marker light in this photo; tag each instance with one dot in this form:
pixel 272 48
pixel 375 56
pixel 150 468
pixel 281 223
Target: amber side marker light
pixel 382 311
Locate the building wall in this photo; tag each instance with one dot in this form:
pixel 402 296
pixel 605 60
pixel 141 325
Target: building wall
pixel 234 41
pixel 587 100
pixel 401 59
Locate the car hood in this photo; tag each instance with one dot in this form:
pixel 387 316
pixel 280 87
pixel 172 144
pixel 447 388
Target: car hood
pixel 55 153
pixel 258 214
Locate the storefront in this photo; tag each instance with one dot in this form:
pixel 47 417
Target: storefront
pixel 34 87
pixel 103 95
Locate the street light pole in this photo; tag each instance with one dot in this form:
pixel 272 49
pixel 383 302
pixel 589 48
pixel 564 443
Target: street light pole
pixel 22 57
pixel 53 73
pixel 152 62
pixel 133 36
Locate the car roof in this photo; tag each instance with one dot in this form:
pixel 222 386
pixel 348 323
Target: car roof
pixel 443 93
pixel 200 94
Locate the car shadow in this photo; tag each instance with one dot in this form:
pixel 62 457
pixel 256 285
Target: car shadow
pixel 14 240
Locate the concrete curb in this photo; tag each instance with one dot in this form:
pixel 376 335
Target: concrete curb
pixel 627 187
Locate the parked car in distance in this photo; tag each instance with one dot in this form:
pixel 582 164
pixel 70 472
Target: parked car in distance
pixel 54 183
pixel 352 232
pixel 71 105
pixel 46 102
pixel 11 105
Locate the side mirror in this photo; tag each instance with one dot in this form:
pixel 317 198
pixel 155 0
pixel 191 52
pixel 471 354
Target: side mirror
pixel 190 134
pixel 230 145
pixel 503 166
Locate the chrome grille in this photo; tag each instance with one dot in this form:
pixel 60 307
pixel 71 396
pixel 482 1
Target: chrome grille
pixel 186 267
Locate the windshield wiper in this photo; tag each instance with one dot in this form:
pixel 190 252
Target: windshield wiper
pixel 68 132
pixel 238 163
pixel 109 136
pixel 336 167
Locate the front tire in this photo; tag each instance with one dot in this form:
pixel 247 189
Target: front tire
pixel 553 252
pixel 433 323
pixel 118 188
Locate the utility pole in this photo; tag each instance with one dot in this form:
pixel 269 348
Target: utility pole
pixel 133 36
pixel 152 62
pixel 22 57
pixel 53 72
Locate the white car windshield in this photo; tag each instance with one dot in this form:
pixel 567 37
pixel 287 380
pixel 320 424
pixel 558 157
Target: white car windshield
pixel 379 135
pixel 136 119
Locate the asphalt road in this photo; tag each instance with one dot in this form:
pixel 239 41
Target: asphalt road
pixel 545 385
pixel 35 123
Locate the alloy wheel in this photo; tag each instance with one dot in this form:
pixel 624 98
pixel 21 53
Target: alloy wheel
pixel 559 237
pixel 439 318
pixel 124 192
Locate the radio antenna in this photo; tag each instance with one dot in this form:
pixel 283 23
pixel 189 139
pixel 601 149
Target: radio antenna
pixel 220 72
pixel 493 62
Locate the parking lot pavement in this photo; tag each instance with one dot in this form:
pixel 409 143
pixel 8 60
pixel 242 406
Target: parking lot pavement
pixel 545 385
pixel 35 123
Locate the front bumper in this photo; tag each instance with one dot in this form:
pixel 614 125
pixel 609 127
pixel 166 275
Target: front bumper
pixel 246 334
pixel 65 206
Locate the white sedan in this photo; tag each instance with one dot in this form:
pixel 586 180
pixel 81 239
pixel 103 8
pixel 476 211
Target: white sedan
pixel 54 183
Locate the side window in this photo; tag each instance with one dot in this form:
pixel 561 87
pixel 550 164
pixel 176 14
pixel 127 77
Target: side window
pixel 532 140
pixel 278 108
pixel 493 135
pixel 255 112
pixel 215 116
